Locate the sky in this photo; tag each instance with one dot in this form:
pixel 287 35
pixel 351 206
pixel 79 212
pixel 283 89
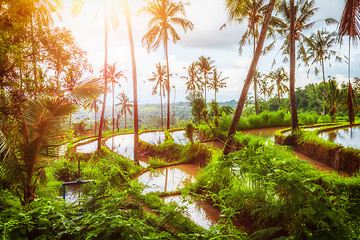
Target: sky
pixel 206 39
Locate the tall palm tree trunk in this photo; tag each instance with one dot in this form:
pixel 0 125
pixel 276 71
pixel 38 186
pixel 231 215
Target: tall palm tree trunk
pixel 167 84
pixel 205 83
pixel 174 103
pixel 294 118
pixel 278 90
pixel 249 77
pixel 133 63
pixel 161 105
pixel 95 116
pixel 125 119
pixel 350 95
pixel 255 83
pixel 113 106
pixel 105 81
pixel 324 81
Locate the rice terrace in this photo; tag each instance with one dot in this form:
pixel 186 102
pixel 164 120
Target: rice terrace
pixel 180 119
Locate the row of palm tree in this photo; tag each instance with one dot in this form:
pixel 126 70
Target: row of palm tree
pixel 294 19
pixel 203 74
pixel 196 72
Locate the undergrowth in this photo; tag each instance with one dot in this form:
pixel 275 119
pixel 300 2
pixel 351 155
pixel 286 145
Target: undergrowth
pixel 281 195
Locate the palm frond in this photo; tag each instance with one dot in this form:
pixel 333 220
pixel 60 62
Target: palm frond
pixel 88 89
pixel 3 143
pixel 350 21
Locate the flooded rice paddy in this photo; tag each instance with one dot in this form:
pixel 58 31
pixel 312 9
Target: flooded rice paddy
pixel 347 137
pixel 124 146
pixel 264 132
pixel 201 213
pixel 168 179
pixel 87 148
pixel 158 137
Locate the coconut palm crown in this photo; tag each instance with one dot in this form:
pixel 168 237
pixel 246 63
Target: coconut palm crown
pixel 164 16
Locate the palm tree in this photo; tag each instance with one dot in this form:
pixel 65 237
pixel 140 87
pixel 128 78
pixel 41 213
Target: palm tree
pixel 254 12
pixel 76 8
pixel 294 118
pixel 133 64
pixel 304 10
pixel 94 104
pixel 278 77
pixel 164 15
pixel 193 82
pixel 234 9
pixel 159 77
pixel 332 97
pixel 217 82
pixel 296 19
pixel 113 75
pixel 319 49
pixel 205 65
pixel 40 129
pixel 125 105
pixel 264 87
pixel 350 26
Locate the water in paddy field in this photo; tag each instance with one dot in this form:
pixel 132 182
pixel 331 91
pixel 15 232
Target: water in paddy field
pixel 158 137
pixel 87 148
pixel 180 138
pixel 61 150
pixel 124 146
pixel 264 132
pixel 154 138
pixel 168 179
pixel 347 137
pixel 72 193
pixel 201 213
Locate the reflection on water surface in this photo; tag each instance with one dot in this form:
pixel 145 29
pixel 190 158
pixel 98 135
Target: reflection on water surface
pixel 87 148
pixel 203 214
pixel 158 137
pixel 347 137
pixel 168 179
pixel 124 146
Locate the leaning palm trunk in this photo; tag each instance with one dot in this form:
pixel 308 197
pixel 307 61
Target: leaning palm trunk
pixel 133 63
pixel 249 78
pixel 105 82
pixel 294 119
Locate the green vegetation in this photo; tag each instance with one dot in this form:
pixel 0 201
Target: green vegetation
pixel 275 194
pixel 170 153
pixel 256 189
